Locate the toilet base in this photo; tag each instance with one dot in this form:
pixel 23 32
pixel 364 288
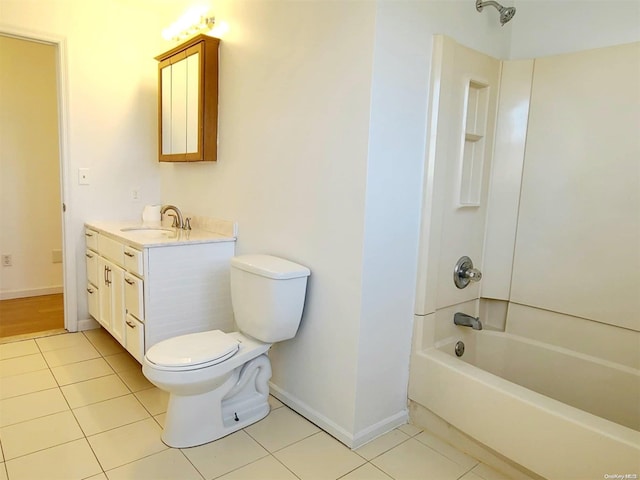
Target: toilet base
pixel 241 400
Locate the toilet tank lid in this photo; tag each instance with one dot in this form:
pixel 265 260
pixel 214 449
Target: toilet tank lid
pixel 270 266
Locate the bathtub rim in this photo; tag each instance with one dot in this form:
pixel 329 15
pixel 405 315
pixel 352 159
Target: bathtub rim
pixel 534 399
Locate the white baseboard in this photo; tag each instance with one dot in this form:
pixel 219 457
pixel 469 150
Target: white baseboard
pixel 87 324
pixel 30 292
pixel 383 426
pixel 351 440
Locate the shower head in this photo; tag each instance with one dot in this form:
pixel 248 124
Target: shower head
pixel 506 13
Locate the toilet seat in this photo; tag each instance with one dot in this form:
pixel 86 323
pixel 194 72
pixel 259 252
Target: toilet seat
pixel 193 351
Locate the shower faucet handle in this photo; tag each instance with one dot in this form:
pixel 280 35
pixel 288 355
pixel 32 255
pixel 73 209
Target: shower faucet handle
pixel 464 273
pixel 472 274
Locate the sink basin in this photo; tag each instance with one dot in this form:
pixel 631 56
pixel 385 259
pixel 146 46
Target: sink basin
pixel 160 230
pixel 151 233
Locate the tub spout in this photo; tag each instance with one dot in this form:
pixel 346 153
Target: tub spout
pixel 465 320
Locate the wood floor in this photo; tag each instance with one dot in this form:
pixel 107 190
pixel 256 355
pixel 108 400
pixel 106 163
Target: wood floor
pixel 31 314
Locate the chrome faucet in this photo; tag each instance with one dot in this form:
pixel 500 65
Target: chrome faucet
pixel 464 273
pixel 465 320
pixel 177 218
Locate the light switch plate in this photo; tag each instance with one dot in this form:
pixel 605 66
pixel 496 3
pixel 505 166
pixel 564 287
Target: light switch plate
pixel 83 176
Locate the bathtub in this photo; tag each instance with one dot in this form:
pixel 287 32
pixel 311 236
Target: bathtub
pixel 559 413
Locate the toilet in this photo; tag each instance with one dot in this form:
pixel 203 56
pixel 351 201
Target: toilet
pixel 218 382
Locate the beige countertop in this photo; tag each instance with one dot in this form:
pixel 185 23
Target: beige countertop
pixel 138 235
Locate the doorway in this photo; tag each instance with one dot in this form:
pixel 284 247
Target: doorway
pixel 31 240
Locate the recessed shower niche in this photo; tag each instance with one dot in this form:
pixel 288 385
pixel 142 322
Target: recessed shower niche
pixel 473 147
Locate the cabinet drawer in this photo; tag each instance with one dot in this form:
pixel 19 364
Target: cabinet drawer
pixel 91 237
pixel 92 300
pixel 111 249
pixel 92 267
pixel 134 296
pixel 133 261
pixel 135 338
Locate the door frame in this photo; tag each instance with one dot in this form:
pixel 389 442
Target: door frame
pixel 68 245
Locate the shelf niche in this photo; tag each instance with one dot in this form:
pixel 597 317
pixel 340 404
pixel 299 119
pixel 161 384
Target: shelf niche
pixel 473 150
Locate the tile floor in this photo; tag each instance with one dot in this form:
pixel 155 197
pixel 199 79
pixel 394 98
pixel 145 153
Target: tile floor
pixel 77 406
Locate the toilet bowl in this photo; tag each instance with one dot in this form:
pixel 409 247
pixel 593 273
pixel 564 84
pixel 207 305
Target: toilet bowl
pixel 218 382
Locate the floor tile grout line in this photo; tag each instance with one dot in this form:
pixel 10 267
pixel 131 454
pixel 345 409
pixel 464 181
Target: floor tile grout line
pixel 237 468
pixel 469 470
pixel 449 458
pixel 45 448
pixel 35 391
pixel 21 355
pixel 141 458
pixel 86 439
pixel 382 453
pixel 94 403
pixel 283 464
pixel 34 418
pixel 116 427
pixel 189 460
pixel 4 458
pixel 285 446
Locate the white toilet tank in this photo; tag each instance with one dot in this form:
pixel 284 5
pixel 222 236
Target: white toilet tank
pixel 267 294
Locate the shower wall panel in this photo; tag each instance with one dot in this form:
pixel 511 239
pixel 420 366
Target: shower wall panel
pixel 578 237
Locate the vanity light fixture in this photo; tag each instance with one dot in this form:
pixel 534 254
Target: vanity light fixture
pixel 194 21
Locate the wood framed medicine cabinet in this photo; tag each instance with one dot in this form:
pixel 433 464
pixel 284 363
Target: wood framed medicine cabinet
pixel 188 101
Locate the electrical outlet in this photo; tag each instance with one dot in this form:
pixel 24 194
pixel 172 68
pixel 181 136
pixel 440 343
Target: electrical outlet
pixel 56 256
pixel 135 194
pixel 7 260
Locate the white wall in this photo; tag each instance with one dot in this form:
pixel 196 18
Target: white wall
pixel 322 131
pixel 550 27
pixel 29 169
pixel 395 174
pixel 109 110
pixel 295 82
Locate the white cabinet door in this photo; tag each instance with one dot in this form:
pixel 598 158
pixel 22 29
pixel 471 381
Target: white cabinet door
pixel 134 296
pixel 111 298
pixel 135 337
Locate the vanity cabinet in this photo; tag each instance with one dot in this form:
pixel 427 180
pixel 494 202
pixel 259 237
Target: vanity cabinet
pixel 144 294
pixel 188 101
